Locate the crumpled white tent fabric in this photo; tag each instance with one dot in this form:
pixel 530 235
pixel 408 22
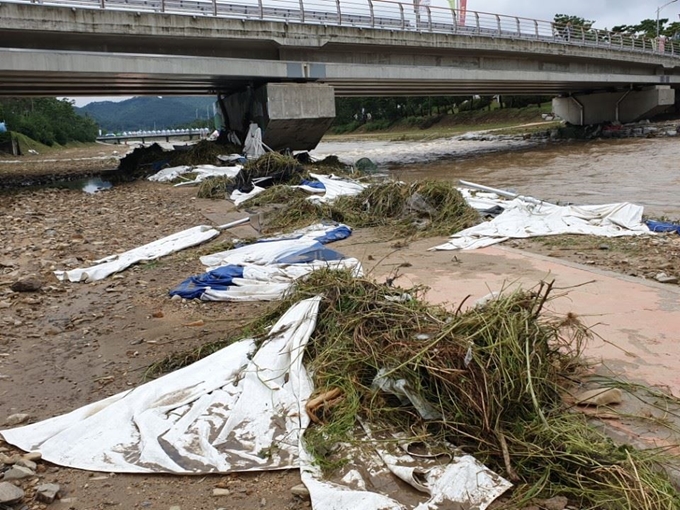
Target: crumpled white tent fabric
pixel 336 187
pixel 220 413
pixel 156 249
pixel 253 144
pixel 216 415
pixel 204 172
pixel 271 282
pixel 170 174
pixel 522 219
pixel 267 253
pixel 238 197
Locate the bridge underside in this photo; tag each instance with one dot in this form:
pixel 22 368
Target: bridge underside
pixel 53 73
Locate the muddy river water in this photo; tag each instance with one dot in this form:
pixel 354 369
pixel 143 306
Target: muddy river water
pixel 642 171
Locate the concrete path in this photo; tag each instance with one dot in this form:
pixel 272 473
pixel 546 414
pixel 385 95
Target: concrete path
pixel 637 321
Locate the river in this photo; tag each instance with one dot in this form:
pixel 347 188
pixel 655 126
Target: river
pixel 642 171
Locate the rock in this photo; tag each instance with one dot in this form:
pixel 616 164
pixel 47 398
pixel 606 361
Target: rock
pixel 556 503
pixel 34 456
pixel 47 492
pixel 18 473
pixel 27 285
pixel 300 491
pixel 664 278
pixel 158 314
pixel 599 397
pixel 604 247
pixel 10 493
pixel 175 508
pixel 221 492
pixel 17 419
pixel 27 464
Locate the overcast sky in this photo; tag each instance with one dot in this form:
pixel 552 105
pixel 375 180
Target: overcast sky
pixel 606 13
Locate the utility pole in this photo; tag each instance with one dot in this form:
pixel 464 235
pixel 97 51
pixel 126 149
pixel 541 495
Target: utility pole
pixel 658 12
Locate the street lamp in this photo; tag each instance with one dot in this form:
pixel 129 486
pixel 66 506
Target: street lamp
pixel 658 11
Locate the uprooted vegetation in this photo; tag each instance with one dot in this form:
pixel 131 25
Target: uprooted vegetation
pixel 145 161
pixel 494 374
pixel 424 208
pixel 277 169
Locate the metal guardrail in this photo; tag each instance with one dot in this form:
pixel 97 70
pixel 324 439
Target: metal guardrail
pixel 389 14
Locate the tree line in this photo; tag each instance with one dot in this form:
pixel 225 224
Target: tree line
pixel 47 120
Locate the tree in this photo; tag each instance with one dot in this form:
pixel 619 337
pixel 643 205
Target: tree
pixel 576 21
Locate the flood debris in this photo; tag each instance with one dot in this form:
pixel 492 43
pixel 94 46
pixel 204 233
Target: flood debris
pixel 423 208
pixel 492 378
pixel 524 217
pixel 145 161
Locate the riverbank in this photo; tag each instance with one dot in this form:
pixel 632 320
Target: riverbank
pixel 69 344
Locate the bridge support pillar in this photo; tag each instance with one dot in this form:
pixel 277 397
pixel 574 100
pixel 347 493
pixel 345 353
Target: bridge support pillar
pixel 291 115
pixel 625 106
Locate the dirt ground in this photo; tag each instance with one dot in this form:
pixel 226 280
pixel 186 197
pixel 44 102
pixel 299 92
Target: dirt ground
pixel 67 345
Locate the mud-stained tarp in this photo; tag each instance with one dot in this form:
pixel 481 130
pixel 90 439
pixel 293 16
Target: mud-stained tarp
pixel 243 409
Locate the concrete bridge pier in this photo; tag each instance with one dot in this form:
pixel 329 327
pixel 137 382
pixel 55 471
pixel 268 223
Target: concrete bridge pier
pixel 291 115
pixel 623 106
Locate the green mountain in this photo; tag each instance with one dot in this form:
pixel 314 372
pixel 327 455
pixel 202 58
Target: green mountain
pixel 149 112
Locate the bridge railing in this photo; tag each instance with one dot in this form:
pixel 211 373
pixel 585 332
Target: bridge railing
pixel 391 15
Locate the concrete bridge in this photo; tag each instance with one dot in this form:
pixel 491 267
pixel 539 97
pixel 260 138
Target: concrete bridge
pixel 343 48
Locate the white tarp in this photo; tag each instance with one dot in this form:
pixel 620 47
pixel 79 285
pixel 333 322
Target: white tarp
pixel 202 172
pixel 216 415
pixel 170 174
pixel 271 282
pixel 266 253
pixel 165 246
pixel 522 219
pixel 336 187
pixel 243 409
pixel 238 197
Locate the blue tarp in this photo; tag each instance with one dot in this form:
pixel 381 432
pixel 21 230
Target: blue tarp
pixel 313 184
pixel 222 277
pixel 337 233
pixel 662 226
pixel 218 279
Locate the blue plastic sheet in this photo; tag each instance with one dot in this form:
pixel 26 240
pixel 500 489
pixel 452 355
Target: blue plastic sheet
pixel 218 279
pixel 222 277
pixel 662 226
pixel 313 184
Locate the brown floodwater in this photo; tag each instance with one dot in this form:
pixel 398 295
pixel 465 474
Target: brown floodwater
pixel 641 171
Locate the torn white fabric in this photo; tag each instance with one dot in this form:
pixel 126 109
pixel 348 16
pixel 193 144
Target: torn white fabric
pixel 243 409
pixel 159 248
pixel 224 413
pixel 253 144
pixel 271 282
pixel 522 219
pixel 336 187
pixel 264 253
pixel 377 465
pixel 405 393
pixel 238 197
pixel 170 174
pixel 204 172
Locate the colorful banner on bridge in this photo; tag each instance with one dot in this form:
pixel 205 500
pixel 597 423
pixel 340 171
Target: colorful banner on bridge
pixel 460 11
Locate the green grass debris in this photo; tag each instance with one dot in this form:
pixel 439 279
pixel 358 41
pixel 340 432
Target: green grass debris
pixel 424 208
pixel 215 187
pixel 496 373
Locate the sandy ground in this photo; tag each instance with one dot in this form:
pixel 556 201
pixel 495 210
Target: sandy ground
pixel 68 345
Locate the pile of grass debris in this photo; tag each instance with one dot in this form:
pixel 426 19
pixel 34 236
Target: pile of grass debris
pixel 425 208
pixel 145 161
pixel 495 373
pixel 280 169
